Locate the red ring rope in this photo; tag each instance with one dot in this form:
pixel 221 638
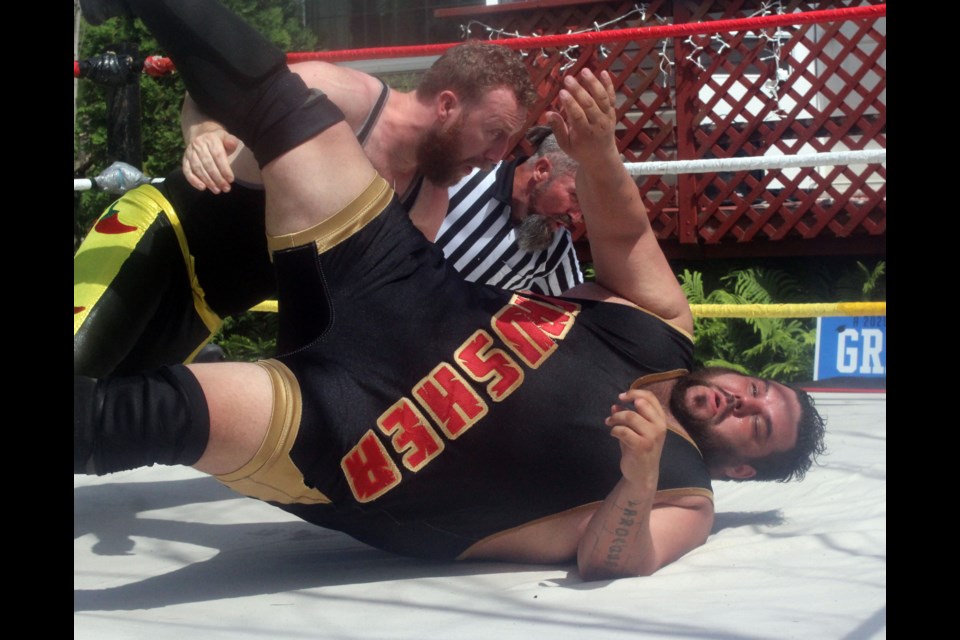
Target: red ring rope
pixel 160 66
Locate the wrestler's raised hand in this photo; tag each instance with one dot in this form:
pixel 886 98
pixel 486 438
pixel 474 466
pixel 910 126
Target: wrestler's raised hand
pixel 585 126
pixel 639 422
pixel 206 160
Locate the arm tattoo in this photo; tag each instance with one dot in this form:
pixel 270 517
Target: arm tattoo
pixel 622 533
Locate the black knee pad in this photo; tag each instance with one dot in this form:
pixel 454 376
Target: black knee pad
pixel 136 421
pixel 287 116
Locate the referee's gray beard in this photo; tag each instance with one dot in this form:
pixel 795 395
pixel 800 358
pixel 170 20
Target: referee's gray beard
pixel 535 233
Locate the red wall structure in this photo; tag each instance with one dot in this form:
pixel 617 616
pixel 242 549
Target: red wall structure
pixel 792 90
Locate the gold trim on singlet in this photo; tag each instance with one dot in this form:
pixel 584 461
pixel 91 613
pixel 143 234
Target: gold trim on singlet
pixel 271 474
pixel 681 492
pixel 341 225
pixel 650 378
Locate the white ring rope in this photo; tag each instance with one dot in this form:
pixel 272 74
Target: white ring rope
pixel 711 165
pixel 86 184
pixel 119 177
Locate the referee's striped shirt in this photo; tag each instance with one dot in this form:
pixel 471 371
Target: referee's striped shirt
pixel 479 239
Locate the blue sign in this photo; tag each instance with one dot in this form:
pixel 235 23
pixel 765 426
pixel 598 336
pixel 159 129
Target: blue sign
pixel 851 347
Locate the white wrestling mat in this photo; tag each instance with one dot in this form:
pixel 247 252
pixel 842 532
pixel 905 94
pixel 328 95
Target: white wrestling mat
pixel 169 553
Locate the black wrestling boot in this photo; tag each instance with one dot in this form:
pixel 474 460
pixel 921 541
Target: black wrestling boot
pixel 96 12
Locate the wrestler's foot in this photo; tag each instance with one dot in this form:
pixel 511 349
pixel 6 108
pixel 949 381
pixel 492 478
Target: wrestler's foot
pixel 96 12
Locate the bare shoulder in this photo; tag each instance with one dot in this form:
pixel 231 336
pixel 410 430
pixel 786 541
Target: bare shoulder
pixel 353 91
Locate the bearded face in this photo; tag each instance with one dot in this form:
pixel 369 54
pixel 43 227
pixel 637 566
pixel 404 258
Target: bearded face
pixel 547 213
pixel 689 412
pixel 535 233
pixel 438 153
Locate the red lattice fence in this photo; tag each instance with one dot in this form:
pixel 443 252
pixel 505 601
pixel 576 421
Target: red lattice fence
pixel 798 89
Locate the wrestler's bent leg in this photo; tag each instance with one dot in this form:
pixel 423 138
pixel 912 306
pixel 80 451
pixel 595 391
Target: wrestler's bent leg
pixel 213 417
pixel 135 308
pixel 240 79
pixel 308 177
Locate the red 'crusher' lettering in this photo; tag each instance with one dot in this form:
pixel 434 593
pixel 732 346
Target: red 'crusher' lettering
pixel 529 328
pixel 483 363
pixel 368 469
pixel 553 315
pixel 450 400
pixel 413 437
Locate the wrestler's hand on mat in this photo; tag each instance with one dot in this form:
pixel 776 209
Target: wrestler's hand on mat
pixel 206 161
pixel 585 126
pixel 640 424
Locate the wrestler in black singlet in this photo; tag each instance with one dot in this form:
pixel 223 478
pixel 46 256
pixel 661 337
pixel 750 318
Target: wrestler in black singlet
pixel 394 318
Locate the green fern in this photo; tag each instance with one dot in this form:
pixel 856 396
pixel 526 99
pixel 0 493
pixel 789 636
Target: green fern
pixel 769 347
pixel 691 282
pixel 873 279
